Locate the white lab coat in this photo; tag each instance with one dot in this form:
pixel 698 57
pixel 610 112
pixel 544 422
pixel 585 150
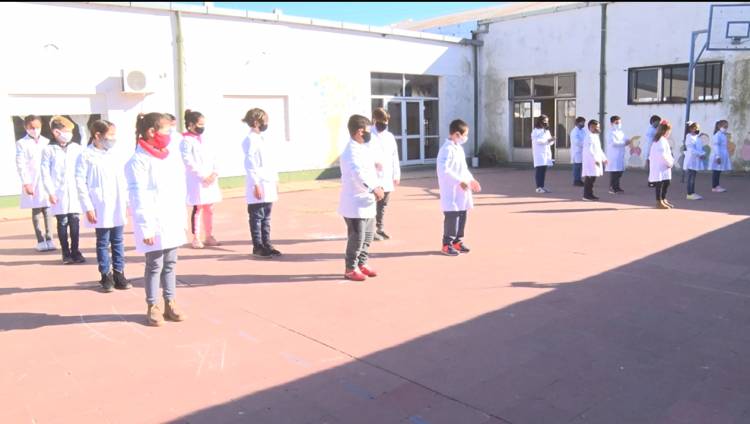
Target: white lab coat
pixel 261 167
pixel 592 153
pixel 452 171
pixel 358 179
pixel 102 187
pixel 719 150
pixel 385 150
pixel 541 147
pixel 200 160
pixel 59 176
pixel 615 150
pixel 693 153
pixel 647 142
pixel 577 136
pixel 156 190
pixel 661 160
pixel 28 164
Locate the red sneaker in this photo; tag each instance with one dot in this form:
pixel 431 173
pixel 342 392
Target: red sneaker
pixel 354 275
pixel 367 271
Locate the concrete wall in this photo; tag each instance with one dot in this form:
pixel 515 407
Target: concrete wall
pixel 569 41
pixel 310 79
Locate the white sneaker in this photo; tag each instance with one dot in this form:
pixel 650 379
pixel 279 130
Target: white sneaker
pixel 694 196
pixel 719 189
pixel 41 246
pixel 540 190
pixel 545 190
pixel 51 245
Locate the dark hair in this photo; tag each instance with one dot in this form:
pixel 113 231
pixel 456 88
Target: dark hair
pixel 654 118
pixel 539 120
pixel 592 122
pixel 458 126
pixel 380 115
pixel 614 118
pixel 356 123
pixel 719 124
pixel 100 126
pixel 580 119
pixel 146 122
pixel 662 129
pixel 170 116
pixel 192 117
pixel 31 118
pixel 692 125
pixel 255 116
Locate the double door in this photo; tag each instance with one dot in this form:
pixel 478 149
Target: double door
pixel 414 124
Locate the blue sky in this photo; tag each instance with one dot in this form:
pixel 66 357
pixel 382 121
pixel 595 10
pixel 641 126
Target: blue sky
pixel 368 13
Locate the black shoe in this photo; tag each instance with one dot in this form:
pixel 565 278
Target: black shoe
pixel 78 257
pixel 619 191
pixel 272 250
pixel 461 247
pixel 590 198
pixel 121 283
pixel 107 282
pixel 67 259
pixel 382 234
pixel 449 250
pixel 261 252
pixel 594 198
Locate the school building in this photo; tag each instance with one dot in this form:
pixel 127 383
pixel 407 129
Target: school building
pixel 114 60
pixel 598 59
pixel 497 68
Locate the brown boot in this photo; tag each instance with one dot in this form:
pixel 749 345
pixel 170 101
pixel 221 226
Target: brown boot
pixel 153 316
pixel 171 313
pixel 668 203
pixel 661 205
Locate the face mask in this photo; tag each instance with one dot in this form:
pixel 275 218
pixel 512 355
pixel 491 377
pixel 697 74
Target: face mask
pixel 618 126
pixel 199 130
pixel 579 126
pixel 107 143
pixel 545 125
pixel 160 140
pixel 381 126
pixel 65 138
pixel 723 130
pixel 366 136
pixel 696 132
pixel 263 128
pixel 34 132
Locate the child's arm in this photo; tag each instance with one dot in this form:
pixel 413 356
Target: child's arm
pixel 667 155
pixel 84 196
pixel 443 165
pixel 359 175
pixel 141 202
pixel 186 149
pixel 396 163
pixel 21 164
pixel 46 176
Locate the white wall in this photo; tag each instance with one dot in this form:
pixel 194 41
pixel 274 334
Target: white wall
pixel 309 79
pixel 569 41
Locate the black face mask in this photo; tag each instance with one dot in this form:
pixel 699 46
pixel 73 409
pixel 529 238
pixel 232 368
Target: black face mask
pixel 545 125
pixel 366 136
pixel 263 127
pixel 199 130
pixel 381 126
pixel 580 126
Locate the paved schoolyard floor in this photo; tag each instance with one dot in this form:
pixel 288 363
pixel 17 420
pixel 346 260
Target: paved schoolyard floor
pixel 564 311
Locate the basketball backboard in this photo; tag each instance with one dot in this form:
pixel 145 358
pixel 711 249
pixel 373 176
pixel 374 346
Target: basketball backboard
pixel 729 27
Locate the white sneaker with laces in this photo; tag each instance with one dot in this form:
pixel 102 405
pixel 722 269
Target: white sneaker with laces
pixel 545 190
pixel 41 246
pixel 719 189
pixel 51 245
pixel 540 190
pixel 694 196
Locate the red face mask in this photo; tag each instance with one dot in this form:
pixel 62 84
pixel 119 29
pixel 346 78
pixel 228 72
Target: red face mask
pixel 160 141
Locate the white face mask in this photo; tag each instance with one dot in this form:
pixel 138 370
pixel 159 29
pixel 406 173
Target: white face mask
pixel 463 139
pixel 107 143
pixel 618 126
pixel 66 137
pixel 34 132
pixel 722 129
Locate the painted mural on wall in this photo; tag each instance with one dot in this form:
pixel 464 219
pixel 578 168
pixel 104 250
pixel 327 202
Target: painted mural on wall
pixel 337 100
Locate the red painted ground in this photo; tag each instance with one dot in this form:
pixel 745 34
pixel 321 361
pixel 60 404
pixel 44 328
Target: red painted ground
pixel 565 311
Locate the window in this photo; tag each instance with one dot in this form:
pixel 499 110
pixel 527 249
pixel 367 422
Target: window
pixel 521 88
pixel 421 86
pixel 386 84
pixel 669 83
pixel 551 95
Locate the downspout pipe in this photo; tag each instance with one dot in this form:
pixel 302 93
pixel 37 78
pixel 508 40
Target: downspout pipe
pixel 475 42
pixel 603 68
pixel 180 70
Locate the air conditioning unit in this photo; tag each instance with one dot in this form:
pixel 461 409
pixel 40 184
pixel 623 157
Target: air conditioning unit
pixel 137 81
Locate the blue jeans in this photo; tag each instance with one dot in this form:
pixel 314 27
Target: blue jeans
pixel 260 223
pixel 716 177
pixel 64 222
pixel 106 238
pixel 577 171
pixel 691 180
pixel 160 270
pixel 541 172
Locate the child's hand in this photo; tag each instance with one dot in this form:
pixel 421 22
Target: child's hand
pixel 475 187
pixel 464 186
pixel 149 241
pixel 718 161
pixel 91 216
pixel 258 191
pixel 28 189
pixel 53 199
pixel 396 182
pixel 379 193
pixel 379 166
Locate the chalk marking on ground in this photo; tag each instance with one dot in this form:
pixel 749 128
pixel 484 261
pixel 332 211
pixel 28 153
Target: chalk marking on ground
pixel 98 333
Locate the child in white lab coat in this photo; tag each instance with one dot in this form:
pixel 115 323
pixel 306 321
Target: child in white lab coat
pixel 694 155
pixel 156 192
pixel 594 160
pixel 719 159
pixel 201 168
pixel 59 161
pixel 33 196
pixel 577 136
pixel 616 143
pixel 541 146
pixel 261 182
pixel 103 193
pixel 649 137
pixel 387 164
pixel 456 187
pixel 360 191
pixel 661 159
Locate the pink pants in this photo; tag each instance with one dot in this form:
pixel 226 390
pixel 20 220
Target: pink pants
pixel 206 214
